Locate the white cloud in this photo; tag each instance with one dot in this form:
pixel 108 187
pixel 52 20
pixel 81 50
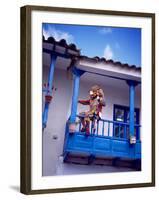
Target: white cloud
pixel 58 34
pixel 105 30
pixel 108 52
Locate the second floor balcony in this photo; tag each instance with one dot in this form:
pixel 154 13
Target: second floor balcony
pixel 111 140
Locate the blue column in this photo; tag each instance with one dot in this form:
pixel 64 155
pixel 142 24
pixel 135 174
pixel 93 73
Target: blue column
pixel 49 90
pixel 76 82
pixel 132 108
pixel 132 85
pixel 45 114
pixel 51 73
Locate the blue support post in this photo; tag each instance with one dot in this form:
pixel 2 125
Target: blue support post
pixel 45 114
pixel 132 108
pixel 132 85
pixel 49 91
pixel 76 82
pixel 51 73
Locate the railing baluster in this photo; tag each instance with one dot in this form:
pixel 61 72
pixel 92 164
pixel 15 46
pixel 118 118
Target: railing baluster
pixel 91 127
pixel 103 129
pixel 97 127
pixel 114 128
pixel 125 131
pixel 80 126
pixel 108 128
pixel 139 133
pixel 119 130
pixel 122 128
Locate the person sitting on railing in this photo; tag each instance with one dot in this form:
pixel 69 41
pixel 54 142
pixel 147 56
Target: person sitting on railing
pixel 96 103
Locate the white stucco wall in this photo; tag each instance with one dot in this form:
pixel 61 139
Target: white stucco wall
pixel 57 117
pixel 116 92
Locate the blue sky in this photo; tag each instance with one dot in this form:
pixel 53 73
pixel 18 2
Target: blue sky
pixel 118 44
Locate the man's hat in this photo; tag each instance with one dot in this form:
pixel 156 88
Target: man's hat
pixel 95 88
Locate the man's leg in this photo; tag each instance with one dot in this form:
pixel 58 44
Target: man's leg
pixel 83 129
pixel 87 121
pixel 93 125
pixel 82 119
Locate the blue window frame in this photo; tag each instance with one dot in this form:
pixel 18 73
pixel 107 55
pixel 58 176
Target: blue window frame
pixel 121 114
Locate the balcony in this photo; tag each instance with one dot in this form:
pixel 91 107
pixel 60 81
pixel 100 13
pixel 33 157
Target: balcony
pixel 110 144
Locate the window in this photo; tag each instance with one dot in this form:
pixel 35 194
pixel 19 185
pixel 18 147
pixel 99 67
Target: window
pixel 121 117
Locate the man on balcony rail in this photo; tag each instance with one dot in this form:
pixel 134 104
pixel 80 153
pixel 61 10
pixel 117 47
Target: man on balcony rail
pixel 96 102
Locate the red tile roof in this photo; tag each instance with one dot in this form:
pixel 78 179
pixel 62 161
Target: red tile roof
pixel 96 59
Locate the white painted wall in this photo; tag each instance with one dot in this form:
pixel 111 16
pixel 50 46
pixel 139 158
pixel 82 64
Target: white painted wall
pixel 116 92
pixel 57 117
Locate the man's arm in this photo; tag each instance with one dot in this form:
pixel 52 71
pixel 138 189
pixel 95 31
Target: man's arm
pixel 102 101
pixel 84 102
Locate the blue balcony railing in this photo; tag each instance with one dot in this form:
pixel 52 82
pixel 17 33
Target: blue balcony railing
pixel 110 139
pixel 114 129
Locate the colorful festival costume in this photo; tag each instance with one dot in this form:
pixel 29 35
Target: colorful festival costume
pixel 96 103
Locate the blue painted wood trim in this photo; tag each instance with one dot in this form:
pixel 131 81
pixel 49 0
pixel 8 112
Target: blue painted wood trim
pixel 115 122
pixel 76 83
pixel 66 140
pixel 45 115
pixel 51 73
pixel 49 90
pixel 132 85
pixel 132 108
pixel 103 146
